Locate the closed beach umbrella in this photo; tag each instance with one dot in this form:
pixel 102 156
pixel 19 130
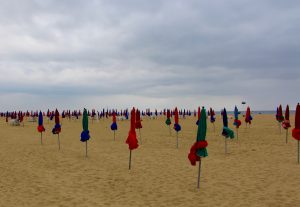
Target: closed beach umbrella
pixel 296 130
pixel 114 125
pixel 199 112
pixel 40 127
pixel 177 127
pixel 227 132
pixel 131 139
pixel 85 134
pixel 168 121
pixel 212 117
pixel 237 123
pixel 198 150
pixel 248 117
pixel 286 123
pixel 138 122
pixel 279 117
pixel 57 127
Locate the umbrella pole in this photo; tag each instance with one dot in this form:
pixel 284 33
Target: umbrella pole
pixel 199 170
pixel 140 135
pixel 298 151
pixel 225 145
pixel 41 138
pixel 86 148
pixel 279 127
pixel 237 133
pixel 177 140
pixel 114 135
pixel 129 159
pixel 58 141
pixel 286 136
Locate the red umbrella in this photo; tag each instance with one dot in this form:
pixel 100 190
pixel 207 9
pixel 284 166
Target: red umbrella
pixel 279 117
pixel 248 118
pixel 57 127
pixel 286 123
pixel 296 130
pixel 131 139
pixel 138 123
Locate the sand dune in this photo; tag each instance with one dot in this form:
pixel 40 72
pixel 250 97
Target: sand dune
pixel 260 169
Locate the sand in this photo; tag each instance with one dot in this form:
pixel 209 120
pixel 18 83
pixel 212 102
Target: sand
pixel 260 169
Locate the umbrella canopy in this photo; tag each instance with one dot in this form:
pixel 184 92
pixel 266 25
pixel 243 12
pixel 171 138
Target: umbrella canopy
pixel 227 133
pixel 85 134
pixel 286 123
pixel 236 113
pixel 131 139
pixel 296 130
pixel 114 125
pixel 237 123
pixel 57 127
pixel 138 122
pixel 280 117
pixel 248 118
pixel 199 147
pixel 212 115
pixel 225 118
pixel 40 127
pixel 199 113
pixel 168 121
pixel 177 127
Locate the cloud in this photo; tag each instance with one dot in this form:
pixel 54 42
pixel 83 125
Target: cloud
pixel 156 53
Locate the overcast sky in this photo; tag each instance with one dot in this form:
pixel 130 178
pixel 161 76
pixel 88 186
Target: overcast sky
pixel 158 53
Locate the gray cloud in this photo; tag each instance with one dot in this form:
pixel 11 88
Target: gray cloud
pixel 168 53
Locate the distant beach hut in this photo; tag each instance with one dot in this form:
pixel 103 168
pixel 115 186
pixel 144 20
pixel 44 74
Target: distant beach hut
pixel 227 132
pixel 57 127
pixel 41 127
pixel 114 125
pixel 177 127
pixel 198 150
pixel 131 139
pixel 286 122
pixel 296 130
pixel 85 134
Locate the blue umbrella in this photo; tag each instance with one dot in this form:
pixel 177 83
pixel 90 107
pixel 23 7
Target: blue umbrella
pixel 40 127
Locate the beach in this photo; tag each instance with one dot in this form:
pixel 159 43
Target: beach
pixel 260 169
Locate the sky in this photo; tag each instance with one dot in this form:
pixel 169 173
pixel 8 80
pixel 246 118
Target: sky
pixel 70 54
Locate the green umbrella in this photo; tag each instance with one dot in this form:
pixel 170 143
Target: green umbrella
pixel 201 133
pixel 85 121
pixel 227 133
pixel 85 134
pixel 198 150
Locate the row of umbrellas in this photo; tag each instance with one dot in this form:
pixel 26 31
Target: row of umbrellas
pixel 198 150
